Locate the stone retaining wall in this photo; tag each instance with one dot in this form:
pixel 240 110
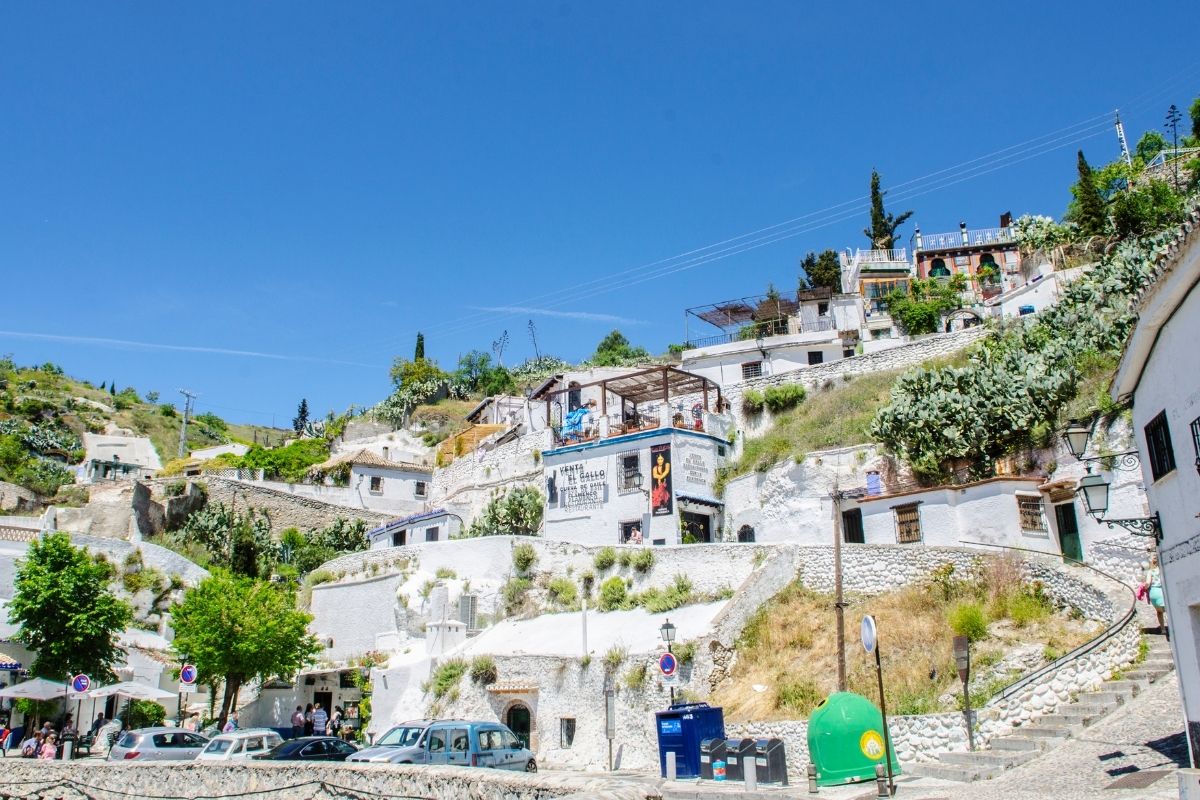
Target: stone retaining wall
pixel 284 781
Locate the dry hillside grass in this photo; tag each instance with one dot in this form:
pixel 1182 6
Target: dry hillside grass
pixel 789 649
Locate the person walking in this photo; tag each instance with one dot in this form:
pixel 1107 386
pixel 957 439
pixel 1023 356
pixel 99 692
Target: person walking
pixel 1155 593
pixel 320 719
pixel 231 723
pixel 308 720
pixel 335 722
pixel 297 722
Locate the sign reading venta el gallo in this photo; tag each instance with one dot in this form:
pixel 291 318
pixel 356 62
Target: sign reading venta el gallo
pixel 583 489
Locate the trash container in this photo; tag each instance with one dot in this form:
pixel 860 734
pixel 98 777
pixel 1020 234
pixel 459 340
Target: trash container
pixel 681 728
pixel 711 751
pixel 845 740
pixel 770 763
pixel 739 755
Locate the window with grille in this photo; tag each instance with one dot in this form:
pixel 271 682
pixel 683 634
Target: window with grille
pixel 1196 440
pixel 631 471
pixel 421 489
pixel 376 484
pixel 908 523
pixel 1033 516
pixel 752 369
pixel 566 732
pixel 1158 445
pixel 815 357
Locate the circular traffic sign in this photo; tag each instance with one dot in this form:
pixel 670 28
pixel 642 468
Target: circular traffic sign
pixel 667 664
pixel 80 683
pixel 869 634
pixel 188 674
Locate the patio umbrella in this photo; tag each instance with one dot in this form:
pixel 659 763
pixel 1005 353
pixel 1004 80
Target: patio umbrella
pixel 133 690
pixel 36 689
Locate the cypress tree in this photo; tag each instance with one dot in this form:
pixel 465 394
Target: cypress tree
pixel 419 353
pixel 882 233
pixel 1089 205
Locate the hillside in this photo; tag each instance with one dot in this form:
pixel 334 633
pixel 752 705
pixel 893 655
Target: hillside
pixel 44 414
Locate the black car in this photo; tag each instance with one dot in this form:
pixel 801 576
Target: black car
pixel 310 748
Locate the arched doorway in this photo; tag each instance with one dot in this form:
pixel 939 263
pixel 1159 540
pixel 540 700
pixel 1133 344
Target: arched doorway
pixel 745 534
pixel 519 721
pixel 938 269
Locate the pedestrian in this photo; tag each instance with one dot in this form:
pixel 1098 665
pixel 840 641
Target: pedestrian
pixel 231 723
pixel 335 722
pixel 1155 593
pixel 297 722
pixel 98 724
pixel 49 748
pixel 308 720
pixel 320 719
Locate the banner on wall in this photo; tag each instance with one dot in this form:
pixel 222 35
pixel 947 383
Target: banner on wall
pixel 661 496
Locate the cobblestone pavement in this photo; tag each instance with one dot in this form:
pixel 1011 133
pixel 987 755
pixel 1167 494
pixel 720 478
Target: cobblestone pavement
pixel 1146 734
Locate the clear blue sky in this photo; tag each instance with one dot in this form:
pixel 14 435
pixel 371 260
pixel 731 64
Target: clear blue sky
pixel 319 181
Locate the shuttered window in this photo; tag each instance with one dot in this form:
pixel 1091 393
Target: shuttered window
pixel 908 523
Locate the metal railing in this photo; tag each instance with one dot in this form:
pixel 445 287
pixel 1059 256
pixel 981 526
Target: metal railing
pixel 982 236
pixel 825 323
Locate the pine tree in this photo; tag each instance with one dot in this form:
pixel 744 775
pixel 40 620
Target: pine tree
pixel 112 388
pixel 419 352
pixel 300 421
pixel 1088 212
pixel 882 233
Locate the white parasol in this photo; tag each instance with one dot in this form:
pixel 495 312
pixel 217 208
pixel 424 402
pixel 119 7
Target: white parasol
pixel 132 690
pixel 36 689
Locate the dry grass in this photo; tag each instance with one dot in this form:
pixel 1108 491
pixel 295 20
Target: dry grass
pixel 790 649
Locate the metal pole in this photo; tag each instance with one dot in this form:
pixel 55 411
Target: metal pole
pixel 967 711
pixel 887 740
pixel 839 607
pixel 672 687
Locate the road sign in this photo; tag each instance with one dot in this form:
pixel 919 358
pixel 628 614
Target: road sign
pixel 187 675
pixel 80 683
pixel 667 665
pixel 869 634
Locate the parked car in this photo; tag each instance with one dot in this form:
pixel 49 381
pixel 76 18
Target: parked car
pixel 394 744
pixel 309 748
pixel 465 743
pixel 157 744
pixel 240 745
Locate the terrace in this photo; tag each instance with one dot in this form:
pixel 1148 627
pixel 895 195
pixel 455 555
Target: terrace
pixel 956 240
pixel 755 317
pixel 646 400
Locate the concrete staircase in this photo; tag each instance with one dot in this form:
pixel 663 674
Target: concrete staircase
pixel 1046 733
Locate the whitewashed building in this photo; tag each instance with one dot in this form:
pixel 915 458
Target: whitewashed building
pixel 111 458
pixel 1160 372
pixel 437 525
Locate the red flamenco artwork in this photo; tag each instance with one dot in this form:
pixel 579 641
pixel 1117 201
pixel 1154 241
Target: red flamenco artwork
pixel 661 499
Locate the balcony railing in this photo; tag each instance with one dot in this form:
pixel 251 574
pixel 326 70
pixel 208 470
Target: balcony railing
pixel 974 238
pixel 598 428
pixel 746 335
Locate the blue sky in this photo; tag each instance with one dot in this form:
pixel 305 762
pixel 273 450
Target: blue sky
pixel 278 196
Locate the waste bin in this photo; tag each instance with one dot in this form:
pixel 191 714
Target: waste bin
pixel 711 751
pixel 770 763
pixel 739 756
pixel 681 728
pixel 845 740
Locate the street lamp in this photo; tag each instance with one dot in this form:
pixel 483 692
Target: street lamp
pixel 1076 436
pixel 668 635
pixel 1094 488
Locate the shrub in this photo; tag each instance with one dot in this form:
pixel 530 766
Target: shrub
pixel 635 676
pixel 643 560
pixel 445 573
pixel 518 513
pixel 781 398
pixel 523 557
pixel 426 589
pixel 144 714
pixel 752 401
pixel 625 558
pixel 1026 607
pixel 612 594
pixel 563 591
pixel 483 670
pixel 587 580
pixel 175 488
pixel 798 695
pixel 605 558
pixel 317 577
pixel 514 592
pixel 685 653
pixel 615 655
pixel 445 678
pixel 967 619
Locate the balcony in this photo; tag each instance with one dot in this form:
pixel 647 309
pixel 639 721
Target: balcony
pixel 954 240
pixel 751 332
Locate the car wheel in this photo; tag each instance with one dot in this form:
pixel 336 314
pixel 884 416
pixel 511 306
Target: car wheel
pixel 531 766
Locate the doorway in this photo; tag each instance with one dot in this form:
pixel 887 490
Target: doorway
pixel 326 701
pixel 1068 532
pixel 518 721
pixel 696 526
pixel 852 526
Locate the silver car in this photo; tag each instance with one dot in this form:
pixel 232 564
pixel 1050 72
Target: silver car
pixel 157 744
pixel 395 745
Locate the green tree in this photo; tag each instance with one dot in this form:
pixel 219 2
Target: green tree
pixel 822 270
pixel 473 368
pixel 615 350
pixel 1194 113
pixel 300 421
pixel 66 612
pixel 519 513
pixel 406 374
pixel 882 233
pixel 419 350
pixel 240 629
pixel 1151 144
pixel 1148 207
pixel 234 539
pixel 1087 211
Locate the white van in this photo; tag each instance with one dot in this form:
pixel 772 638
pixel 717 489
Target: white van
pixel 240 745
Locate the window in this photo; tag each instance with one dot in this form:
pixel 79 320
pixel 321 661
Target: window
pixel 490 739
pixel 751 369
pixel 437 741
pixel 745 534
pixel 938 269
pixel 566 732
pixel 552 489
pixel 421 489
pixel 908 523
pixel 1032 516
pixel 376 484
pixel 815 357
pixel 847 352
pixel 1158 445
pixel 385 454
pixel 631 471
pixel 962 261
pixel 721 450
pixel 1196 440
pixel 398 538
pixel 458 740
pixel 431 534
pixel 822 309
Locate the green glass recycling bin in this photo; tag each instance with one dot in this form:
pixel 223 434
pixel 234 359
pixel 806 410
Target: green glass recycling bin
pixel 845 740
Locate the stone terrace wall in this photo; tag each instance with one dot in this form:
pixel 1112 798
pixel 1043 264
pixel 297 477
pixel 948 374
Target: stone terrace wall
pixel 170 562
pixel 466 484
pixel 1124 557
pixel 284 781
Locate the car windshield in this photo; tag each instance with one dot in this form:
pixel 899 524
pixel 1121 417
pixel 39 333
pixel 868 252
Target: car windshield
pixel 401 736
pixel 218 746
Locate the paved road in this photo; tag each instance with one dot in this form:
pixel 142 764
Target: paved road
pixel 1144 735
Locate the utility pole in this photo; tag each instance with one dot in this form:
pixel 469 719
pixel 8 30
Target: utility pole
pixel 1122 140
pixel 838 606
pixel 189 396
pixel 1173 117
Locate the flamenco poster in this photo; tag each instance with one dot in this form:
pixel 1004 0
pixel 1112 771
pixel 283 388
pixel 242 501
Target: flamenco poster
pixel 661 496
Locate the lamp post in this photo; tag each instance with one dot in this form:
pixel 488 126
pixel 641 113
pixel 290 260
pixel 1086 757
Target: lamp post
pixel 668 635
pixel 1076 437
pixel 1093 488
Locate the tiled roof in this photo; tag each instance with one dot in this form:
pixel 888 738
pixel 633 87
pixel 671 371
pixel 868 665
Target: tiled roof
pixel 366 458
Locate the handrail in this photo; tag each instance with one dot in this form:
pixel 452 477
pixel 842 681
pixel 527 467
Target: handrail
pixel 1084 648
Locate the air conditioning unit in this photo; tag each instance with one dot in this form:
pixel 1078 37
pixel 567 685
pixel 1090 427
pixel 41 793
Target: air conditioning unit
pixel 467 606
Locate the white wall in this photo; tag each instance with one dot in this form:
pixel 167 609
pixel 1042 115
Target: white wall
pixel 723 363
pixel 398 491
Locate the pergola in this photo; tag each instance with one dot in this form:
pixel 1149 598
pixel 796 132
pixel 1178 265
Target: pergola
pixel 647 385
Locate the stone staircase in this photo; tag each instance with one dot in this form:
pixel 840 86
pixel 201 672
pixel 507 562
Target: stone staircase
pixel 1047 732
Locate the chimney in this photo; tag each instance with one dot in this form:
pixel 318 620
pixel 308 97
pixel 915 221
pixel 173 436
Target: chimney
pixel 962 227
